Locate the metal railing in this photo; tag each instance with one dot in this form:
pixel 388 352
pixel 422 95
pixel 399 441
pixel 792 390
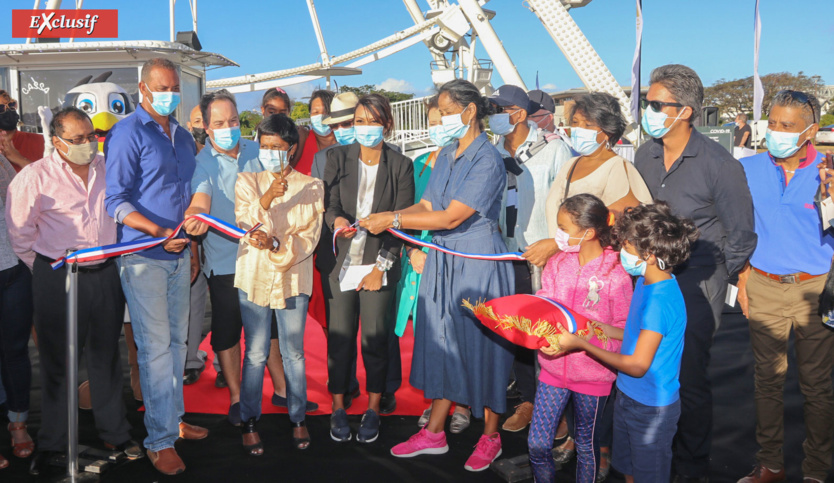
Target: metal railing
pixel 410 122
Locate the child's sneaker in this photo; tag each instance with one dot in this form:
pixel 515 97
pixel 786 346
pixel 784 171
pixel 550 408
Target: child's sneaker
pixel 486 451
pixel 423 442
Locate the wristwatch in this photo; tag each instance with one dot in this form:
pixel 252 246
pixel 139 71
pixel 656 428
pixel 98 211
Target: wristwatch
pixel 397 221
pixel 383 264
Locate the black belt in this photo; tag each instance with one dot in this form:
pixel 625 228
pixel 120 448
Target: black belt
pixel 82 269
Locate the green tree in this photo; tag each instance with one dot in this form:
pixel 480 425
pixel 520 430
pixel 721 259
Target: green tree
pixel 369 89
pixel 300 111
pixel 248 123
pixel 732 97
pixel 827 119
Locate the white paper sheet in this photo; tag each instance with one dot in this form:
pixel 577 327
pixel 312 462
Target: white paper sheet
pixel 732 295
pixel 351 277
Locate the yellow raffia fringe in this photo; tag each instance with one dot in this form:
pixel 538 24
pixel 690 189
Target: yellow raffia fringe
pixel 540 328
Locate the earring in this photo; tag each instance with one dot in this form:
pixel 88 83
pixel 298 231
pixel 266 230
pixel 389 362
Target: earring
pixel 607 145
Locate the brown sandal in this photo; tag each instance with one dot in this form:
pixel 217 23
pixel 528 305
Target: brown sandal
pixel 23 446
pixel 3 462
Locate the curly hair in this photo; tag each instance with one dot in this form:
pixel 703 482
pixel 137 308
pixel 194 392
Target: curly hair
pixel 654 230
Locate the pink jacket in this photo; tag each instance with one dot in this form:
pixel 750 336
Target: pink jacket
pixel 565 281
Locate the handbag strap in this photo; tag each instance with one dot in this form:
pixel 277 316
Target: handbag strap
pixel 570 175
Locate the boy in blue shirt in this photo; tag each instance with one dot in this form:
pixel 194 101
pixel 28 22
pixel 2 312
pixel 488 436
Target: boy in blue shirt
pixel 646 414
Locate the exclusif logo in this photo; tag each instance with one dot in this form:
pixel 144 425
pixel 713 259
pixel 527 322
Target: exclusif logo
pixel 77 24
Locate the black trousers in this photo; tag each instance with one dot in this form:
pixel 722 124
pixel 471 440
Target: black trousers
pixel 100 314
pixel 373 308
pixel 704 290
pixel 524 364
pixel 15 328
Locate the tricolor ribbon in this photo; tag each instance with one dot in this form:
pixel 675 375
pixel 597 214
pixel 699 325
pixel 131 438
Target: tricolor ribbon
pixel 434 246
pixel 118 249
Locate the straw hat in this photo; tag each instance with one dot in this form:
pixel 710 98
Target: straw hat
pixel 342 108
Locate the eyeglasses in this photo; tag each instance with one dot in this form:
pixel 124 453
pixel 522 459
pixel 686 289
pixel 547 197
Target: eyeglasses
pixel 801 98
pixel 12 105
pixel 92 138
pixel 508 109
pixel 657 105
pixel 342 125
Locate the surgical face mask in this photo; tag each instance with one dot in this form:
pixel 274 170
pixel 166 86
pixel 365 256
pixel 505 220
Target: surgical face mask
pixel 655 122
pixel 563 241
pixel 630 265
pixel 584 141
pixel 500 123
pixel 227 137
pixel 8 120
pixel 783 144
pixel 543 119
pixel 439 136
pixel 80 154
pixel 318 127
pixel 273 160
pixel 199 135
pixel 345 135
pixel 164 103
pixel 453 125
pixel 368 136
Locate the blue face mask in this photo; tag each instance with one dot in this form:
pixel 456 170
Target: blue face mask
pixel 318 127
pixel 453 125
pixel 500 123
pixel 584 141
pixel 368 136
pixel 226 138
pixel 439 136
pixel 629 263
pixel 345 135
pixel 654 123
pixel 164 103
pixel 273 160
pixel 783 144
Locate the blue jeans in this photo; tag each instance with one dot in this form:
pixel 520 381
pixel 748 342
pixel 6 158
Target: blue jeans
pixel 157 293
pixel 15 329
pixel 256 333
pixel 643 439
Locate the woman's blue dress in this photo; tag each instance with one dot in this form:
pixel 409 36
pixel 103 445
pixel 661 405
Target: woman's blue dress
pixel 455 356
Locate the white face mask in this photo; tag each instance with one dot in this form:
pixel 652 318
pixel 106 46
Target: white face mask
pixel 80 154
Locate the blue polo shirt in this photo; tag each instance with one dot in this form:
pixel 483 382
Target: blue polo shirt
pixel 215 176
pixel 659 308
pixel 787 222
pixel 150 173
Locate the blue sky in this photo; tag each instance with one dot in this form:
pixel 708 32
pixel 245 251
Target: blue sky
pixel 715 37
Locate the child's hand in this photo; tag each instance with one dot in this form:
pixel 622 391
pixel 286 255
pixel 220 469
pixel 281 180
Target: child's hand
pixel 569 341
pixel 551 350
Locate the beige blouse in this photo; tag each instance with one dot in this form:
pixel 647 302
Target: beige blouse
pixel 295 220
pixel 610 183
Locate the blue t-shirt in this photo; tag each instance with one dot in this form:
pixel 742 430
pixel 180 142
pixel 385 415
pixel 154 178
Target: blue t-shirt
pixel 659 308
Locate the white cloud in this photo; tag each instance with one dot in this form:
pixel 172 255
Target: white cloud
pixel 397 85
pixel 549 87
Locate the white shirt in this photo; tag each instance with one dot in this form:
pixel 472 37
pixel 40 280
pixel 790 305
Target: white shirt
pixel 364 205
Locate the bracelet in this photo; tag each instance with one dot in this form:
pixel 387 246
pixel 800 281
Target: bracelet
pixel 383 264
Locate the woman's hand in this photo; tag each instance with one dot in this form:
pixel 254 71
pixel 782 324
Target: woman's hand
pixel 276 190
pixel 376 223
pixel 259 240
pixel 372 281
pixel 418 260
pixel 540 252
pixel 348 232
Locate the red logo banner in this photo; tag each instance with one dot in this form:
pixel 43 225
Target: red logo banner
pixel 78 24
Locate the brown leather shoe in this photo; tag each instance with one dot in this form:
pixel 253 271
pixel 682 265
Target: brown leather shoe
pixel 521 419
pixel 188 431
pixel 760 474
pixel 167 461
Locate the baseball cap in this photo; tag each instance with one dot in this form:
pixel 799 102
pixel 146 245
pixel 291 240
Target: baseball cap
pixel 510 95
pixel 541 100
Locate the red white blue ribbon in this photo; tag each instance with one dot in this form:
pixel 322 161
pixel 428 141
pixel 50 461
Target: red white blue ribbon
pixel 434 246
pixel 118 249
pixel 570 320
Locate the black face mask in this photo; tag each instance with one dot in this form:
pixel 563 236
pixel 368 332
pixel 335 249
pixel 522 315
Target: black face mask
pixel 8 120
pixel 199 135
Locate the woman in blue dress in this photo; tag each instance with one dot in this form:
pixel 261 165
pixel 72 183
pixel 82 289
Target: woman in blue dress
pixel 455 357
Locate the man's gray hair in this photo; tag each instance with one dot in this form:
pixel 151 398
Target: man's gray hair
pixel 684 85
pixel 207 100
pixel 156 62
pixel 742 116
pixel 810 108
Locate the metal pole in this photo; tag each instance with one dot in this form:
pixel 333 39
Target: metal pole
pixel 171 5
pixel 535 276
pixel 72 369
pixel 325 59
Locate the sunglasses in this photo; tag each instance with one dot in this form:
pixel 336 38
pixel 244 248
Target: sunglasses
pixel 343 125
pixel 801 98
pixel 657 105
pixel 12 106
pixel 92 138
pixel 507 109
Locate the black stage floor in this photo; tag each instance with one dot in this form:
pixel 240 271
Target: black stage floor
pixel 221 457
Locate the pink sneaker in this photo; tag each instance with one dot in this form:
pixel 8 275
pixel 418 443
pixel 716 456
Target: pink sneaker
pixel 486 451
pixel 423 442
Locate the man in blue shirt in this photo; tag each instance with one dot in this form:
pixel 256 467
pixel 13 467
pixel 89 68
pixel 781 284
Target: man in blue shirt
pixel 213 186
pixel 150 161
pixel 780 286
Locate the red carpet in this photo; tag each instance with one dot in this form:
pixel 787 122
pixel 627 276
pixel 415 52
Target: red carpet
pixel 203 397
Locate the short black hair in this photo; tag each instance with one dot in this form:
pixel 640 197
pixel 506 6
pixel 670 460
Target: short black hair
pixel 326 98
pixel 151 64
pixel 655 230
pixel 56 126
pixel 209 97
pixel 274 92
pixel 279 125
pixel 587 212
pixel 603 110
pixel 380 109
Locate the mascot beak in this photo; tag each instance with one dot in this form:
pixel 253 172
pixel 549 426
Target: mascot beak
pixel 103 121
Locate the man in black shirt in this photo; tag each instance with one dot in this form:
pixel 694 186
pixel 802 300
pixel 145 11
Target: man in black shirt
pixel 702 181
pixel 742 133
